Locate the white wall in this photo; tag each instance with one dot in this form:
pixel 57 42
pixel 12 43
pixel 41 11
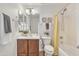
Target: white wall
pixel 10 47
pixel 44 12
pixel 77 24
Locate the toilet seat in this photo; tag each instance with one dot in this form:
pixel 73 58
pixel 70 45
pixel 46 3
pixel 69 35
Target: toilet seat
pixel 48 48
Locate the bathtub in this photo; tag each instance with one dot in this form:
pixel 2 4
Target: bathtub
pixel 62 53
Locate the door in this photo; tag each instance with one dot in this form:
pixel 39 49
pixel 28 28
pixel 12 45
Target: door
pixel 34 47
pixel 22 47
pixel 20 50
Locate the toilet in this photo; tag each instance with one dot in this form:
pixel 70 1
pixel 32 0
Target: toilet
pixel 47 47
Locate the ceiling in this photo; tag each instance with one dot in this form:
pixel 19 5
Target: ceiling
pixel 40 6
pixel 33 5
pixel 44 7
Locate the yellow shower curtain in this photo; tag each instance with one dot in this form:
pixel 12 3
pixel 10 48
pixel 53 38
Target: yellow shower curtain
pixel 56 45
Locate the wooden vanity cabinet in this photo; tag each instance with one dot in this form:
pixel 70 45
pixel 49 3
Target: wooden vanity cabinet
pixel 27 47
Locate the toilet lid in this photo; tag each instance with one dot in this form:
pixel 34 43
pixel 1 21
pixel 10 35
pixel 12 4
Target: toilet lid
pixel 49 48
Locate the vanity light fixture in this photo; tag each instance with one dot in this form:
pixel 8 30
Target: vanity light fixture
pixel 31 11
pixel 27 11
pixel 34 11
pixel 20 12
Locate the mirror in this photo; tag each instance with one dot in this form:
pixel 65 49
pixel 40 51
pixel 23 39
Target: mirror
pixel 28 23
pixel 22 23
pixel 34 20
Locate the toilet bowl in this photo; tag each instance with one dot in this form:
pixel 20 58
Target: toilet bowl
pixel 48 48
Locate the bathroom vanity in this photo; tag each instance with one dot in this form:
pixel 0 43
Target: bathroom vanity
pixel 27 46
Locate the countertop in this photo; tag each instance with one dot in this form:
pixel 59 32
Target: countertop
pixel 29 36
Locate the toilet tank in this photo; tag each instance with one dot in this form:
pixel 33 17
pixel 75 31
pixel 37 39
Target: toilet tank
pixel 46 40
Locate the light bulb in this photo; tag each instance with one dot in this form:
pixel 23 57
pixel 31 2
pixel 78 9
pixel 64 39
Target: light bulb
pixel 28 11
pixel 34 11
pixel 20 12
